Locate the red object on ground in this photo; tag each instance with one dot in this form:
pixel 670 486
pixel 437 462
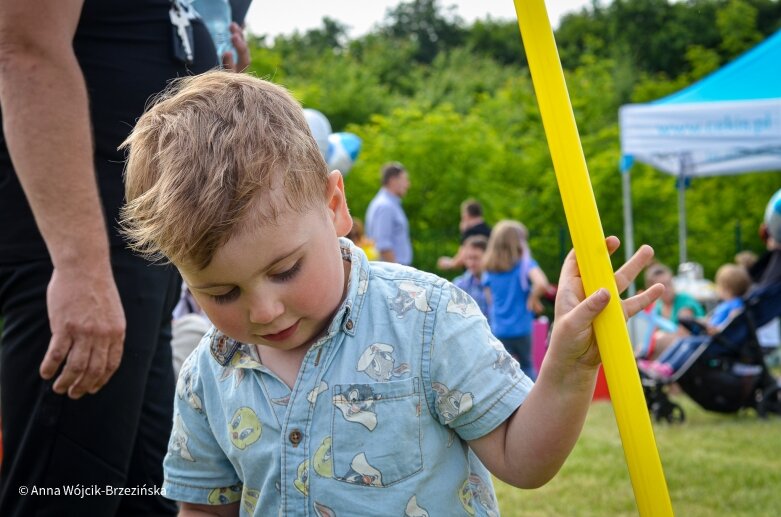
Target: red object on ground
pixel 539 341
pixel 600 391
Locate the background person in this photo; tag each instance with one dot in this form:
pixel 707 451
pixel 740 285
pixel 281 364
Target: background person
pixel 672 305
pixel 472 281
pixel 515 284
pixel 386 222
pixel 86 360
pixel 732 283
pixel 472 223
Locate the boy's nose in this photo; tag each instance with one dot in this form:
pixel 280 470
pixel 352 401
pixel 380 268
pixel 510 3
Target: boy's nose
pixel 265 309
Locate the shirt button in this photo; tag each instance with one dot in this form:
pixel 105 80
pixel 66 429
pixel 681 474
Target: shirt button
pixel 349 324
pixel 295 437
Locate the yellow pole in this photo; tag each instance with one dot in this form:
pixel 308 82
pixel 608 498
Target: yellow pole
pixel 626 393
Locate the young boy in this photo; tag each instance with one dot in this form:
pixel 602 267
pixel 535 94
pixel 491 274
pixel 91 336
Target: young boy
pixel 330 385
pixel 471 281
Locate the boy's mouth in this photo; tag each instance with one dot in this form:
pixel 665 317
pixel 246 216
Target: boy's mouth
pixel 282 335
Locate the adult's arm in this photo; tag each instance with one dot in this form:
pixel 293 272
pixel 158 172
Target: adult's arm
pixel 47 130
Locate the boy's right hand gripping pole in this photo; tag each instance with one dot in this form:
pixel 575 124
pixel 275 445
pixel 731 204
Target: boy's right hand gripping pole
pixel 634 423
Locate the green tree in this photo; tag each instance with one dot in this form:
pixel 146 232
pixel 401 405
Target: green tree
pixel 431 28
pixel 737 23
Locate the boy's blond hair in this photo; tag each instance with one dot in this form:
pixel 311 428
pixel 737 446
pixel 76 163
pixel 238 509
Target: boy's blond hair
pixel 734 279
pixel 506 246
pixel 202 155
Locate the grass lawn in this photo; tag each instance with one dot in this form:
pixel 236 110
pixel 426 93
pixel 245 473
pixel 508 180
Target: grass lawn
pixel 715 465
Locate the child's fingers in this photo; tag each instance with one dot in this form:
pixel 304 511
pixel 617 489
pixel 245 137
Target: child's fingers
pixel 629 271
pixel 613 243
pixel 640 301
pixel 584 313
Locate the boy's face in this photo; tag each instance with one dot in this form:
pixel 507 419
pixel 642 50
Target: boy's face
pixel 278 285
pixel 473 258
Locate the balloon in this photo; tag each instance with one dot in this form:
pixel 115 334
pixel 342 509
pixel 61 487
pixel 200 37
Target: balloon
pixel 343 149
pixel 773 216
pixel 320 127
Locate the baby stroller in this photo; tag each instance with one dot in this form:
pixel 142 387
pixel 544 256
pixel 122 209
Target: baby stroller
pixel 727 371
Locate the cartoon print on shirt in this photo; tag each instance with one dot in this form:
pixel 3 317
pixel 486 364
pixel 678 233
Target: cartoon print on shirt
pixel 504 361
pixel 323 460
pixel 377 362
pixel 461 303
pixel 413 510
pixel 322 510
pixel 312 396
pixel 484 495
pixel 451 403
pixel 180 437
pixel 302 480
pixel 244 428
pixel 184 385
pixel 249 500
pixel 242 360
pixel 409 296
pixel 466 497
pixel 221 347
pixel 361 473
pixel 225 495
pixel 356 402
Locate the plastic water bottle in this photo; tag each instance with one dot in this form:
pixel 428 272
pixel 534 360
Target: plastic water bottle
pixel 216 15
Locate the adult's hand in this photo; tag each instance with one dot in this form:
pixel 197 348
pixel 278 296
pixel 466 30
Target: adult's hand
pixel 242 50
pixel 88 330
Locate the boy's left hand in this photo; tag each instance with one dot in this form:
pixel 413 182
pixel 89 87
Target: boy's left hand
pixel 574 313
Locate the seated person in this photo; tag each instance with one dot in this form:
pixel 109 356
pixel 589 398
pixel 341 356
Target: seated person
pixel 471 280
pixel 732 283
pixel 671 306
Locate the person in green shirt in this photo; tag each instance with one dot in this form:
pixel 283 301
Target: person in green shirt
pixel 671 305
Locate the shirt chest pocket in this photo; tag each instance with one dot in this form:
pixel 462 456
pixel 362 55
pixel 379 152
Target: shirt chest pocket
pixel 375 430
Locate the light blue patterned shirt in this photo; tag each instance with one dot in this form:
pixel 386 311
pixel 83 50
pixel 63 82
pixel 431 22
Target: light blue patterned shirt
pixel 376 422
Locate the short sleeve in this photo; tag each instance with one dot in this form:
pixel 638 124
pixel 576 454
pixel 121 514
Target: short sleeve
pixel 196 468
pixel 473 383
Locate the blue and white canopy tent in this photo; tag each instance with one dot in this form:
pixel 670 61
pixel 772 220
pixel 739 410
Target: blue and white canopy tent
pixel 729 122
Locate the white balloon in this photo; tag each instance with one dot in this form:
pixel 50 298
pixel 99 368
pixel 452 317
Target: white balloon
pixel 343 150
pixel 773 216
pixel 320 127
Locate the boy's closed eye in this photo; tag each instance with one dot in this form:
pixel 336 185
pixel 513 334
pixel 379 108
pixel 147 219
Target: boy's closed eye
pixel 283 276
pixel 288 274
pixel 227 297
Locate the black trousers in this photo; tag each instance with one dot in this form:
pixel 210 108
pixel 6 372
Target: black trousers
pixel 116 438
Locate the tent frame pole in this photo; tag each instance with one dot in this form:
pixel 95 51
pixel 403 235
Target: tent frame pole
pixel 684 166
pixel 629 232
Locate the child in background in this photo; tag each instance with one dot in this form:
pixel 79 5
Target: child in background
pixel 358 236
pixel 515 284
pixel 471 281
pixel 732 283
pixel 331 385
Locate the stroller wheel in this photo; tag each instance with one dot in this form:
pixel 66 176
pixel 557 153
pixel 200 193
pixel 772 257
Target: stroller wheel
pixel 675 415
pixel 770 402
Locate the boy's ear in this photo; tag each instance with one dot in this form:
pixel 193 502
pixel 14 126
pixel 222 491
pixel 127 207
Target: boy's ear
pixel 337 204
